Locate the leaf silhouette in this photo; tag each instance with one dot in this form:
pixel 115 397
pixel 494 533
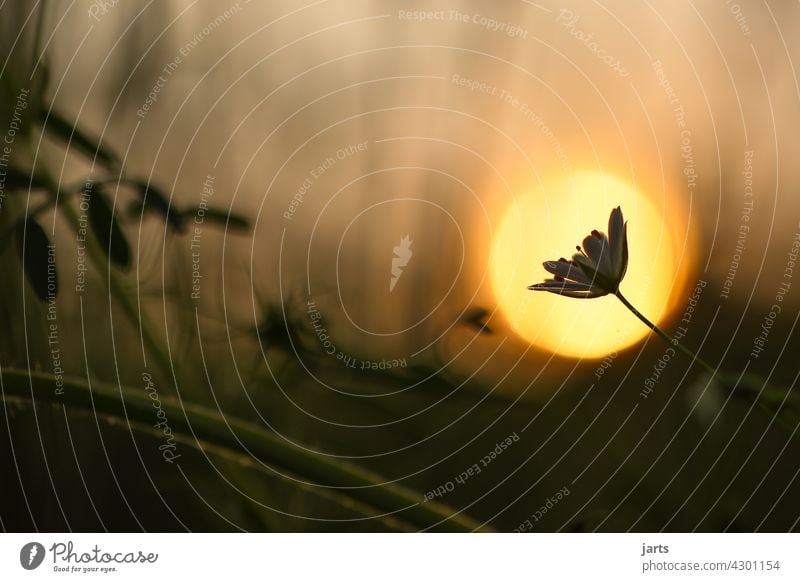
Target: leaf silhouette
pixel 19 179
pixel 153 200
pixel 105 228
pixel 38 258
pixel 70 134
pixel 230 220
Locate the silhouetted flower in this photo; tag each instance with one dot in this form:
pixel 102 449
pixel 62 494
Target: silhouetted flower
pixel 595 270
pixel 598 270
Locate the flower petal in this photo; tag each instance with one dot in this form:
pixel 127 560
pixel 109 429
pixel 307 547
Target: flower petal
pixel 624 266
pixel 587 265
pixel 595 276
pixel 598 249
pixel 566 270
pixel 615 224
pixel 569 289
pixel 593 245
pixel 617 235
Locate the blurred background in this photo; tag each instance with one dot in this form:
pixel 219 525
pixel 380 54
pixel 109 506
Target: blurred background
pixel 321 218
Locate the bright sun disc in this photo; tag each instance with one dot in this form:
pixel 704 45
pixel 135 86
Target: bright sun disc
pixel 547 224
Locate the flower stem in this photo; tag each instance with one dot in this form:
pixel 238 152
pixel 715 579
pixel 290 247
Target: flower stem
pixel 779 403
pixel 665 336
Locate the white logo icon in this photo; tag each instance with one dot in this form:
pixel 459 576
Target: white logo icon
pixel 402 254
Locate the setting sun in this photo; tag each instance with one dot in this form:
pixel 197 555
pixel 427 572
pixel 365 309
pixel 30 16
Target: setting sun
pixel 546 224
